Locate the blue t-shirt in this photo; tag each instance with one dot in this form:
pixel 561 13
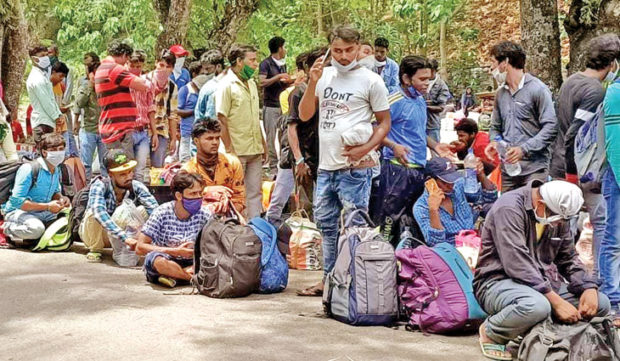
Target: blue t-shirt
pixel 408 126
pixel 187 101
pixel 182 80
pixel 167 230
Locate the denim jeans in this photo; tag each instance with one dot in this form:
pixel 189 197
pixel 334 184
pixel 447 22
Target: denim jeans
pixel 158 156
pixel 141 150
pixel 88 143
pixel 70 148
pixel 285 185
pixel 596 207
pixel 271 121
pixel 609 253
pixel 253 178
pixel 185 152
pixel 338 191
pixel 514 308
pixel 20 224
pixel 435 134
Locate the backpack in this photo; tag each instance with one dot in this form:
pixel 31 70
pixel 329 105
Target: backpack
pixel 227 259
pixel 435 289
pixel 8 171
pixel 596 339
pixel 56 236
pixel 361 288
pixel 78 209
pixel 72 176
pixel 590 154
pixel 274 269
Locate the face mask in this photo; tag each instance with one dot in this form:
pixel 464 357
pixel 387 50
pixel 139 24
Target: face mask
pixel 546 220
pixel 611 76
pixel 280 62
pixel 134 71
pixel 178 66
pixel 53 59
pixel 246 72
pixel 193 205
pixel 55 157
pixel 379 64
pixel 499 77
pixel 44 62
pixel 161 78
pixel 343 68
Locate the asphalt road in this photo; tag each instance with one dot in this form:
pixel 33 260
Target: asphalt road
pixel 57 306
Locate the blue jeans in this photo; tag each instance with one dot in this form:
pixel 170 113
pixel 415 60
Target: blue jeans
pixel 338 191
pixel 609 252
pixel 158 156
pixel 185 152
pixel 435 134
pixel 514 308
pixel 285 185
pixel 71 148
pixel 88 143
pixel 141 149
pixel 596 207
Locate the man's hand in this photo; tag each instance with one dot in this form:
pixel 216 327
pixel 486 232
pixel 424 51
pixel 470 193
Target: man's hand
pixel 491 150
pixel 565 312
pixel 65 201
pixel 302 171
pixel 354 153
pixel 284 78
pixel 76 126
pixel 401 152
pixel 60 120
pixel 514 154
pixel 317 70
pixel 186 250
pixel 172 146
pixel 154 141
pixel 55 206
pixel 444 150
pixel 434 199
pixel 221 207
pixel 131 243
pixel 588 303
pixel 221 190
pixel 265 156
pixel 457 146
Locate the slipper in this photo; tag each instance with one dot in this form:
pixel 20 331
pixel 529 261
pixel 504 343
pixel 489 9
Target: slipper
pixel 313 291
pixel 93 257
pixel 486 347
pixel 167 281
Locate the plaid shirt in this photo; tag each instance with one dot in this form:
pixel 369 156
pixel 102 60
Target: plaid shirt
pixel 102 200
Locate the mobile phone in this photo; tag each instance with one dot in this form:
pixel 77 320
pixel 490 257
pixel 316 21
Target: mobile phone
pixel 431 185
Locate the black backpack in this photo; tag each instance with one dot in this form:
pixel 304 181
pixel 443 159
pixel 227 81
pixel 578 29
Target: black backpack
pixel 8 170
pixel 78 209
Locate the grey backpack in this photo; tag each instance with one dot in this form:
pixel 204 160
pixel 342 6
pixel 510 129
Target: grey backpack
pixel 590 154
pixel 361 288
pixel 227 259
pixel 596 340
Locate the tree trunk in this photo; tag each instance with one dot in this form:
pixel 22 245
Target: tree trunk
pixel 14 55
pixel 540 34
pixel 424 32
pixel 232 19
pixel 442 48
pixel 581 30
pixel 319 19
pixel 174 17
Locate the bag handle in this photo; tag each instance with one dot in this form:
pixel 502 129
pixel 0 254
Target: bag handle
pixel 355 212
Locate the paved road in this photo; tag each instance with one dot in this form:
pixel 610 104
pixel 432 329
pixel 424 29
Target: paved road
pixel 56 306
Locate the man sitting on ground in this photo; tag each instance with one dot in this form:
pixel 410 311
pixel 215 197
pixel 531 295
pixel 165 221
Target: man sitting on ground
pixel 471 138
pixel 167 239
pixel 525 237
pixel 444 211
pixel 222 173
pixel 36 200
pixel 98 230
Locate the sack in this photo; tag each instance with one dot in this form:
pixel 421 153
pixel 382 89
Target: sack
pixel 72 176
pixel 8 170
pixel 267 190
pixel 435 289
pixel 57 236
pixel 305 243
pixel 361 289
pixel 550 341
pixel 226 259
pixel 274 270
pixel 590 155
pixel 468 243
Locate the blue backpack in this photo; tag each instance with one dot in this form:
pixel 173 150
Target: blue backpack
pixel 590 154
pixel 274 269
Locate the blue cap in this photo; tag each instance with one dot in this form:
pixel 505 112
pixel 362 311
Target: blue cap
pixel 443 169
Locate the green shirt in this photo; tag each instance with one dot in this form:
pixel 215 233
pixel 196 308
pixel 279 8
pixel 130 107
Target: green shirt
pixel 86 99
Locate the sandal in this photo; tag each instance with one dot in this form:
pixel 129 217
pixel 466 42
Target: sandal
pixel 313 291
pixel 167 281
pixel 487 348
pixel 93 257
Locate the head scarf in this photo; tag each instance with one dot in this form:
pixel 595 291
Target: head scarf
pixel 562 198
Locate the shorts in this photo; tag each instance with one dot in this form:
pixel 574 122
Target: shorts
pixel 149 268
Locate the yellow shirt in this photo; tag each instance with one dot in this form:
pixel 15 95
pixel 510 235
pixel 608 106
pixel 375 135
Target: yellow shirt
pixel 284 99
pixel 239 103
pixel 540 229
pixel 228 173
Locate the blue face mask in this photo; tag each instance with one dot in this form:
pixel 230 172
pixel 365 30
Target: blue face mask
pixel 192 205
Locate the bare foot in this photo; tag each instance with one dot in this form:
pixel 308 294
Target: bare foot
pixel 493 354
pixel 313 291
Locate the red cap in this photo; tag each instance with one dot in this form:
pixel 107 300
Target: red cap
pixel 178 50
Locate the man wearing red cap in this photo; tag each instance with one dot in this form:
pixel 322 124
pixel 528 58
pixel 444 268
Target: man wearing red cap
pixel 180 76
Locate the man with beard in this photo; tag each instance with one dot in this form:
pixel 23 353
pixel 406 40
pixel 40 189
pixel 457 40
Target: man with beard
pixel 98 229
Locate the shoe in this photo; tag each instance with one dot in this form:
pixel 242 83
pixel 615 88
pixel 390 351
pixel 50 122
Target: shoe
pixel 167 281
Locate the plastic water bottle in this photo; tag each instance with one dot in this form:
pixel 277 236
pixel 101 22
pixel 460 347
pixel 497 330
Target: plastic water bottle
pixel 513 169
pixel 471 180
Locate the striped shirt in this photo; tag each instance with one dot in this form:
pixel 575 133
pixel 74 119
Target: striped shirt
pixel 118 110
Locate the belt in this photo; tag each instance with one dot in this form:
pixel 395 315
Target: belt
pixel 408 165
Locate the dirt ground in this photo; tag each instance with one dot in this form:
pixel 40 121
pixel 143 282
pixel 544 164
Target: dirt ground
pixel 57 306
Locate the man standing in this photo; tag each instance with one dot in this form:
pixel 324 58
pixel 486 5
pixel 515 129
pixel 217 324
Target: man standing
pixel 180 76
pixel 236 104
pixel 384 66
pixel 118 110
pixel 436 99
pixel 346 96
pixel 273 79
pixel 523 116
pixel 213 61
pixel 46 114
pixel 580 96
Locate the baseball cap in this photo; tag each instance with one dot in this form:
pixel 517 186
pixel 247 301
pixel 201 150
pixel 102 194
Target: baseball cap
pixel 178 50
pixel 443 169
pixel 117 161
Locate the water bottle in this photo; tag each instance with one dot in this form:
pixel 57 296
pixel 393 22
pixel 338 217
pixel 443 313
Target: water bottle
pixel 513 169
pixel 471 180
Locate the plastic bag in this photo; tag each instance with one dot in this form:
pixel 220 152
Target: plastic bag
pixel 131 219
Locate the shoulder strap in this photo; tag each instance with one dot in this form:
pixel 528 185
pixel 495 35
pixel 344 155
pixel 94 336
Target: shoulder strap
pixel 36 167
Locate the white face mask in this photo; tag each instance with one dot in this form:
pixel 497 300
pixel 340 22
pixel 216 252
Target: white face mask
pixel 499 77
pixel 280 62
pixel 343 68
pixel 546 220
pixel 611 76
pixel 55 157
pixel 379 64
pixel 43 62
pixel 178 66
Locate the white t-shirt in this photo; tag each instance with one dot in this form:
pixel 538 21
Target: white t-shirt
pixel 345 100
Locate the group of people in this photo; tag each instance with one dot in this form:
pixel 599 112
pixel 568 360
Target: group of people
pixel 352 129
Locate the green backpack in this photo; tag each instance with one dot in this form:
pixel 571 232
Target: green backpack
pixel 57 236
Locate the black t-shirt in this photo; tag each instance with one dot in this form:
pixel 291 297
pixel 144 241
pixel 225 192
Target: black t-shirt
pixel 271 94
pixel 307 132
